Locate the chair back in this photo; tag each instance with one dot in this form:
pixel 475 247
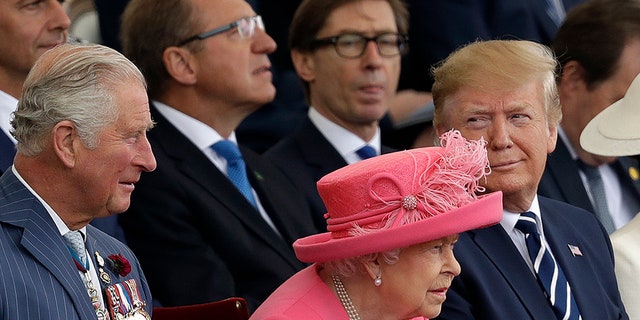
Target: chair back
pixel 228 309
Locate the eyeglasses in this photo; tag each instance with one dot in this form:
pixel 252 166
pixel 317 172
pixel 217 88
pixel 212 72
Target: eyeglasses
pixel 353 45
pixel 246 29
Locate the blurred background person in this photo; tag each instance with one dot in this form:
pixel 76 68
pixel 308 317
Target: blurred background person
pixel 347 53
pixel 598 46
pixel 614 132
pixel 27 30
pixel 215 220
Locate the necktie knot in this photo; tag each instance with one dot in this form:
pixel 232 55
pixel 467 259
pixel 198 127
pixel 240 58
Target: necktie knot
pixel 75 242
pixel 527 223
pixel 227 150
pixel 366 152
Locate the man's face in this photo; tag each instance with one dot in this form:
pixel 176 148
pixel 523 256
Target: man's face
pixel 514 123
pixel 352 92
pixel 107 174
pixel 28 28
pixel 233 70
pixel 581 103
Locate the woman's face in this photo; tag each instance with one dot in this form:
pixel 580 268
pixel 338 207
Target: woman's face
pixel 417 284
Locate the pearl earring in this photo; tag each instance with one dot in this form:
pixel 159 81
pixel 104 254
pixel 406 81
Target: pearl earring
pixel 377 281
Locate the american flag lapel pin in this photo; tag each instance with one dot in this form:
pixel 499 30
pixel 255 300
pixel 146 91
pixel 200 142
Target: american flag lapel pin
pixel 575 250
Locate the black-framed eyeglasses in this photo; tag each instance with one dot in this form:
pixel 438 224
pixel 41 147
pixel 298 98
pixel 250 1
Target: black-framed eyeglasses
pixel 353 45
pixel 246 29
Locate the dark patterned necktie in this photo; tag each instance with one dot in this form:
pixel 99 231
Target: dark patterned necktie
pixel 597 190
pixel 548 272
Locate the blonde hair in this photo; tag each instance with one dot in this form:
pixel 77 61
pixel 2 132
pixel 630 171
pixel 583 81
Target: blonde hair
pixel 500 63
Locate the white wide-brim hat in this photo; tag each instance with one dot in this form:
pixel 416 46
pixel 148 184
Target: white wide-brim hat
pixel 616 130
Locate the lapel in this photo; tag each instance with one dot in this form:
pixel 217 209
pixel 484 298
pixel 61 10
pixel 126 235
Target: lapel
pixel 513 269
pixel 564 171
pixel 560 231
pixel 629 174
pixel 258 176
pixel 94 246
pixel 43 241
pixel 7 151
pixel 191 162
pixel 317 151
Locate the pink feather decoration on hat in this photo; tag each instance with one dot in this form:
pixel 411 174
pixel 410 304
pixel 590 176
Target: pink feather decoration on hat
pixel 447 183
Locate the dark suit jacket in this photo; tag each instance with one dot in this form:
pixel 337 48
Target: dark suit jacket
pixel 7 152
pixel 305 157
pixel 496 282
pixel 561 178
pixel 38 279
pixel 198 238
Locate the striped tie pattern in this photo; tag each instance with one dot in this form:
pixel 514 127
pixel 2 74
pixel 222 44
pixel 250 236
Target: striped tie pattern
pixel 549 274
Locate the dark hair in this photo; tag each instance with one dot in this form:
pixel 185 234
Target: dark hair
pixel 151 26
pixel 311 16
pixel 594 34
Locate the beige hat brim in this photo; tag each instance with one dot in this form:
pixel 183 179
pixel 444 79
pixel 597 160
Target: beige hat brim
pixel 616 130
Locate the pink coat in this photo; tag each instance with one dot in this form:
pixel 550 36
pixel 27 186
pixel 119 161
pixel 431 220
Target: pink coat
pixel 303 296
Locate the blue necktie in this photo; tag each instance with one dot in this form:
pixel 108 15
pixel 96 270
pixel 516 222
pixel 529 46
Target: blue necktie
pixel 76 243
pixel 597 190
pixel 7 151
pixel 549 274
pixel 366 152
pixel 236 169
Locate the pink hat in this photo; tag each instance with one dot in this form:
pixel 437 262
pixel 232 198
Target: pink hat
pixel 403 198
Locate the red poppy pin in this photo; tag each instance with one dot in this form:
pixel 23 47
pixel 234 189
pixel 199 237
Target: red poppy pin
pixel 121 265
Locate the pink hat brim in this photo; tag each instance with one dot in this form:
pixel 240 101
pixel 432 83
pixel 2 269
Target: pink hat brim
pixel 483 212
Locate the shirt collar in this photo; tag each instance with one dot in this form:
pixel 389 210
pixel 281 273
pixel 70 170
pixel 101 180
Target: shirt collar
pixel 202 135
pixel 509 219
pixel 342 139
pixel 62 227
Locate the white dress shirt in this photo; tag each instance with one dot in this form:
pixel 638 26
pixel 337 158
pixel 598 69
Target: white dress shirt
pixel 343 140
pixel 203 136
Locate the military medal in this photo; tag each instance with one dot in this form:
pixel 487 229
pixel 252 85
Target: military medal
pixel 101 313
pixel 104 277
pixel 125 302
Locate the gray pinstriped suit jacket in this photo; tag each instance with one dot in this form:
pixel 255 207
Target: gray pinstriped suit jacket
pixel 38 279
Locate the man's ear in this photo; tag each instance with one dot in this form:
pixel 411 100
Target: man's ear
pixel 180 64
pixel 304 64
pixel 65 142
pixel 572 77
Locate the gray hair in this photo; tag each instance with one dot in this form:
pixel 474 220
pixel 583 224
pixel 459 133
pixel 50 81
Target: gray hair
pixel 349 266
pixel 70 82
